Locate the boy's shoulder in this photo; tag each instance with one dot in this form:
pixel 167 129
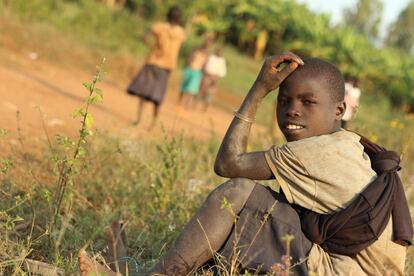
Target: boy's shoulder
pixel 158 25
pixel 342 142
pixel 330 156
pixel 341 136
pixel 162 26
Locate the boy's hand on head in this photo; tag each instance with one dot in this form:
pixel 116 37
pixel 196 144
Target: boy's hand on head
pixel 271 75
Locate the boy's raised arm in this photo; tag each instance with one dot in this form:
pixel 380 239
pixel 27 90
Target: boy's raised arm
pixel 232 159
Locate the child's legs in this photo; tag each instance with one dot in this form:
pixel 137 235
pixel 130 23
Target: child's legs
pixel 185 99
pixel 156 112
pixel 258 240
pixel 191 102
pixel 208 230
pixel 140 109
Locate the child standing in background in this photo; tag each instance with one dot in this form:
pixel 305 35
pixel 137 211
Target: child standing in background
pixel 214 70
pixel 192 74
pixel 352 95
pixel 164 41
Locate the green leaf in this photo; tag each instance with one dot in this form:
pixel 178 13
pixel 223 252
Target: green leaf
pixel 63 140
pixel 82 152
pixel 88 121
pixel 87 85
pixel 96 99
pixel 79 112
pixel 18 218
pixel 99 92
pixel 3 132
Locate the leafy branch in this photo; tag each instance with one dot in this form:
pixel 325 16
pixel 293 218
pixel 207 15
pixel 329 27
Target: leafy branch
pixel 67 166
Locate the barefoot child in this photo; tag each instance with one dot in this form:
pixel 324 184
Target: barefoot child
pixel 151 82
pixel 321 169
pixel 214 69
pixel 192 74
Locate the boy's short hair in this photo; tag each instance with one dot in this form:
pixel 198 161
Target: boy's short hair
pixel 174 15
pixel 329 73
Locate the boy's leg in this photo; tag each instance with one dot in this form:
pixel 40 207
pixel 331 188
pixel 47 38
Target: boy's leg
pixel 180 98
pixel 207 231
pixel 186 101
pixel 141 103
pixel 191 101
pixel 155 115
pixel 183 100
pixel 259 239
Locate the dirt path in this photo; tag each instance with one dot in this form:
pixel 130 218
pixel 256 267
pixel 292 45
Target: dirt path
pixel 29 84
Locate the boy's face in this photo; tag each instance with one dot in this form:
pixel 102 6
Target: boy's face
pixel 305 108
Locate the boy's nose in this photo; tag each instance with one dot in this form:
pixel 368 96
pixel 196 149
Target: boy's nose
pixel 293 111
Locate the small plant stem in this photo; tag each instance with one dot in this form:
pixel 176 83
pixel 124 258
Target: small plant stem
pixel 67 169
pixel 67 166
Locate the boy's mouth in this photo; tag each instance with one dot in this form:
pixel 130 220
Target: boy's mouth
pixel 293 126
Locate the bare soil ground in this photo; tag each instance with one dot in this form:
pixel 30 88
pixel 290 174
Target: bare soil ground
pixel 36 94
pixel 41 75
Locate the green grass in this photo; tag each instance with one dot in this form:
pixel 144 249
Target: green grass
pixel 242 71
pixel 153 185
pixel 85 21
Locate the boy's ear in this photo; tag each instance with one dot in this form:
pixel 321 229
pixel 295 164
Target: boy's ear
pixel 340 110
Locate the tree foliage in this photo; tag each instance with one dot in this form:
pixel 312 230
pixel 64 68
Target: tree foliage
pixel 401 32
pixel 365 17
pixel 289 25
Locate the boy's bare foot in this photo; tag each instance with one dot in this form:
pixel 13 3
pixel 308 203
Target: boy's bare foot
pixel 90 267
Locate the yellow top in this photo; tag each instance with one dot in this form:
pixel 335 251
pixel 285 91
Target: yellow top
pixel 168 42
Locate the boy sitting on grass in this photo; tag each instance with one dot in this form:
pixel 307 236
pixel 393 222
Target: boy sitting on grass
pixel 321 169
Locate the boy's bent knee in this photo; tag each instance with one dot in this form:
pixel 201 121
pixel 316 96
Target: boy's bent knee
pixel 235 190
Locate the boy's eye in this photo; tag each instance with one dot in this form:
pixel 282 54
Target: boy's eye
pixel 308 102
pixel 282 100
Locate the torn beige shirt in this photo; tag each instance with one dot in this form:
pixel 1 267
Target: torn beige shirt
pixel 324 174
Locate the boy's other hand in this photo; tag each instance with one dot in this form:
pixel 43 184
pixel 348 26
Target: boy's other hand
pixel 271 75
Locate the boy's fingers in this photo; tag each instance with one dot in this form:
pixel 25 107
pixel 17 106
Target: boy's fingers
pixel 287 57
pixel 287 70
pixel 290 57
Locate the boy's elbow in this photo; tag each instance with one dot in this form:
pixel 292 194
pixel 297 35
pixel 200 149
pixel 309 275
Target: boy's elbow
pixel 224 170
pixel 220 169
